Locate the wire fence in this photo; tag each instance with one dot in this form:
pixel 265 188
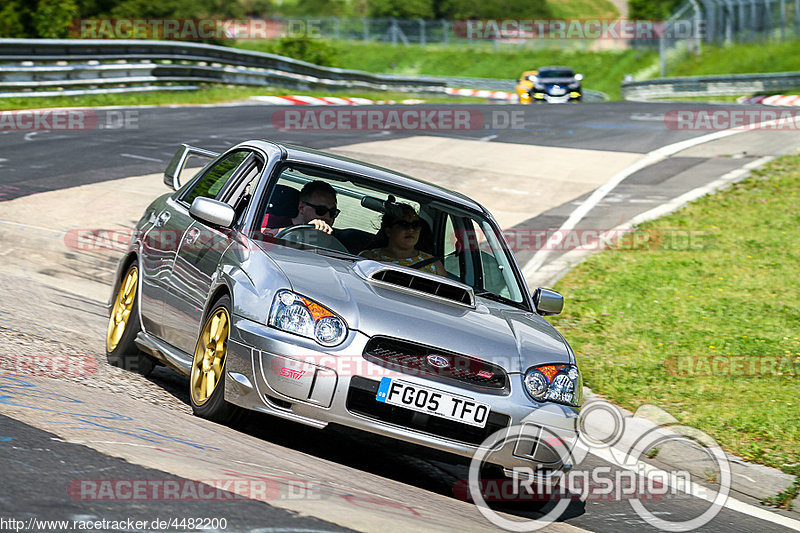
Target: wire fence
pixel 492 35
pixel 722 22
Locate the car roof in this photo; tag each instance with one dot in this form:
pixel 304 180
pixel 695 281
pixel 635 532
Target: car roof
pixel 309 155
pixel 555 68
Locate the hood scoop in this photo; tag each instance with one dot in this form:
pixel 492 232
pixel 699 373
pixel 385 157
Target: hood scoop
pixel 416 282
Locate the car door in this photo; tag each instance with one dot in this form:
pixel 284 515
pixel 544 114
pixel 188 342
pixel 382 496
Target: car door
pixel 159 248
pixel 201 250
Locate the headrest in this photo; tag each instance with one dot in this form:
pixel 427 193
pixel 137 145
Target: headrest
pixel 283 201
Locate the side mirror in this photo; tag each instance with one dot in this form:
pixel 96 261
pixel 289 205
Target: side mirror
pixel 173 172
pixel 212 211
pixel 578 77
pixel 547 301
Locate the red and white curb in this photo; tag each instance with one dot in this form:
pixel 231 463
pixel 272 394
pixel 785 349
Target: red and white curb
pixel 493 95
pixel 333 100
pixel 317 100
pixel 775 99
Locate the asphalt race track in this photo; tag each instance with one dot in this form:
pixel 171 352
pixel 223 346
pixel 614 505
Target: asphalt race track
pixel 60 439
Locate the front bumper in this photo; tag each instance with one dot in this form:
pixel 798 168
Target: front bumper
pixel 285 375
pixel 560 98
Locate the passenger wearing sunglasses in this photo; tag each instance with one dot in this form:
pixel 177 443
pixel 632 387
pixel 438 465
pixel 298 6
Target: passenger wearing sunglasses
pixel 397 240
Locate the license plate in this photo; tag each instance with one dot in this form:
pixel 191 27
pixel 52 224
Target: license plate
pixel 433 402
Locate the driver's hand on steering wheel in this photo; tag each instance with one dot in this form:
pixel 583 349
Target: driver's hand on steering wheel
pixel 321 225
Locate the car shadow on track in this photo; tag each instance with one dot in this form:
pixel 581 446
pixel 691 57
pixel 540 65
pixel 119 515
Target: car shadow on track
pixel 414 465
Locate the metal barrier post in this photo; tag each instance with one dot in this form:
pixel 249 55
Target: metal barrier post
pixel 783 19
pixel 797 18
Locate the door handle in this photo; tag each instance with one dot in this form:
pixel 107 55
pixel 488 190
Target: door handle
pixel 192 235
pixel 162 219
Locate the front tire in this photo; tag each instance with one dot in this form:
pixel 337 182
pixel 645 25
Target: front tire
pixel 207 380
pixel 123 326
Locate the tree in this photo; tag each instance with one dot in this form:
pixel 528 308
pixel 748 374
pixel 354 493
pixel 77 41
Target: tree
pixel 52 18
pixel 13 21
pixel 652 9
pixel 500 9
pixel 402 9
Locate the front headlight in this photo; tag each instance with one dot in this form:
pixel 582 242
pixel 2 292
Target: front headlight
pixel 295 314
pixel 555 383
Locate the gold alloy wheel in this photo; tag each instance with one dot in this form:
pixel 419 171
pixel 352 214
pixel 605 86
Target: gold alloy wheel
pixel 121 312
pixel 209 356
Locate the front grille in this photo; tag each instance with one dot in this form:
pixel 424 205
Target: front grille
pixel 361 400
pixel 412 358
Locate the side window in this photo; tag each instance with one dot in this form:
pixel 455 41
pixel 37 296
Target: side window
pixel 240 193
pixel 215 178
pixel 498 276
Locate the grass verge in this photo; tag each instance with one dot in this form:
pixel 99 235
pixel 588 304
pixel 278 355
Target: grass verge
pixel 581 9
pixel 210 95
pixel 740 59
pixel 603 71
pixel 715 279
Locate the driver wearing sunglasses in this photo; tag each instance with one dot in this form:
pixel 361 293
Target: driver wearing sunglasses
pixel 316 206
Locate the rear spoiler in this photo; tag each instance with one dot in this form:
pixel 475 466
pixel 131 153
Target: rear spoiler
pixel 176 164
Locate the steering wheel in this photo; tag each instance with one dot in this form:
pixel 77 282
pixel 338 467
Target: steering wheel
pixel 308 234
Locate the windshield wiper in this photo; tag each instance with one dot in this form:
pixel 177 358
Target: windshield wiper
pixel 496 297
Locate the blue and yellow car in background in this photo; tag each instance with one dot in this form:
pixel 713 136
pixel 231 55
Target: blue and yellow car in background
pixel 550 84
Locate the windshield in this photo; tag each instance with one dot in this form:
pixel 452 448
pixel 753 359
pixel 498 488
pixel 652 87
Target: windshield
pixel 389 224
pixel 544 74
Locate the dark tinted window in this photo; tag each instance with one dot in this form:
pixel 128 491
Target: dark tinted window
pixel 214 179
pixel 556 74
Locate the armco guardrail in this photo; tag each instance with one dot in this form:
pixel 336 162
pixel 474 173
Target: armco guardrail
pixel 730 84
pixel 49 67
pixel 82 62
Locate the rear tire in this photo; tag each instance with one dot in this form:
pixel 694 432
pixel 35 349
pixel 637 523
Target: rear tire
pixel 123 326
pixel 207 379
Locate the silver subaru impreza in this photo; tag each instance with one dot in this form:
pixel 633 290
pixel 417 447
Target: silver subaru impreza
pixel 325 290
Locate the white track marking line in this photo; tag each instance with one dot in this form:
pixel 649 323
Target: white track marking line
pixel 573 257
pixel 704 493
pixel 590 203
pixel 31 226
pixel 134 156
